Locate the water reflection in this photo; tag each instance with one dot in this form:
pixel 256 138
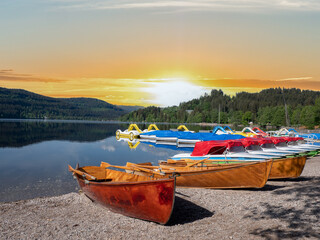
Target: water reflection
pixel 22 133
pixel 34 155
pixel 136 143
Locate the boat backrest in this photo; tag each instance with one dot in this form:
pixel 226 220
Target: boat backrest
pixel 219 130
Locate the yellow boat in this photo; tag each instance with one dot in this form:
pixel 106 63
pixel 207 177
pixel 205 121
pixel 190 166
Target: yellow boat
pixel 239 175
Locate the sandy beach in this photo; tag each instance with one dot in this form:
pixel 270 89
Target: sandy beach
pixel 283 209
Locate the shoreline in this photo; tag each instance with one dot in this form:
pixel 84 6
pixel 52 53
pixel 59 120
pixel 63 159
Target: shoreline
pixel 202 124
pixel 282 209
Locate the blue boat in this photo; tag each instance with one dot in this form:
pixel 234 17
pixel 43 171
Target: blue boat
pixel 188 137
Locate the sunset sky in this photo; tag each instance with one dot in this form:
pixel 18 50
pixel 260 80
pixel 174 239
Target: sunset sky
pixel 150 52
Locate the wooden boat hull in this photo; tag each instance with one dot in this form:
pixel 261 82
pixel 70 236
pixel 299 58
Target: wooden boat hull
pixel 253 175
pixel 148 200
pixel 244 175
pixel 287 167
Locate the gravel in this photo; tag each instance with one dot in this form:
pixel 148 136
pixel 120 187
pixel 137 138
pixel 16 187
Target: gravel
pixel 283 209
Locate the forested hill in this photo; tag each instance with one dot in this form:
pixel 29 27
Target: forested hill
pixel 265 107
pixel 17 103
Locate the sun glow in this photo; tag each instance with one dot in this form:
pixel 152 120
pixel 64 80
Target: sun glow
pixel 169 91
pixel 164 90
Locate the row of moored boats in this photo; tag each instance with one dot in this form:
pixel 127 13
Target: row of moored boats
pixel 221 158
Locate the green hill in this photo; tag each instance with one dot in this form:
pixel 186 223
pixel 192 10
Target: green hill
pixel 17 103
pixel 264 108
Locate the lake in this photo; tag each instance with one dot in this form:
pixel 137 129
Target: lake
pixel 34 155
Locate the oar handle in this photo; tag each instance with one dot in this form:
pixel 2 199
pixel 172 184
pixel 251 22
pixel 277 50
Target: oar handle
pixel 81 173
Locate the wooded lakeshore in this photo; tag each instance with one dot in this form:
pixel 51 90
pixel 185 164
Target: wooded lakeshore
pixel 275 106
pixel 270 107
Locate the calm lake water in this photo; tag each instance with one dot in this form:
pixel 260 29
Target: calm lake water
pixel 34 155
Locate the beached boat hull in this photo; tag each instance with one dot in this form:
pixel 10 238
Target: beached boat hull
pixel 148 200
pixel 287 167
pixel 243 175
pixel 254 175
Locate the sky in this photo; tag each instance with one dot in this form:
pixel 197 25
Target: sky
pixel 153 52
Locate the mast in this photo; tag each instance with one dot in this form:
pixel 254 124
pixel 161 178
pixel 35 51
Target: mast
pixel 219 115
pixel 285 109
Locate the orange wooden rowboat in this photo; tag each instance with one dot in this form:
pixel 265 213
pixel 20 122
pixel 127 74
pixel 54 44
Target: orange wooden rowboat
pixel 132 195
pixel 244 175
pixel 287 167
pixel 281 168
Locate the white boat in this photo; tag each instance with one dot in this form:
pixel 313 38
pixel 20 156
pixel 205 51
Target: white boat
pixel 188 141
pixel 222 150
pixel 134 131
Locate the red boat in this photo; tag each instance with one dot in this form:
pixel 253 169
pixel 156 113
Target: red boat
pixel 260 132
pixel 132 195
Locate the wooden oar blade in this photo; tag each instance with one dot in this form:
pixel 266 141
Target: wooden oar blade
pixel 70 168
pixel 105 164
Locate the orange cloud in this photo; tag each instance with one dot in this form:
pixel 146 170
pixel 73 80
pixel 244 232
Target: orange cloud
pixel 9 75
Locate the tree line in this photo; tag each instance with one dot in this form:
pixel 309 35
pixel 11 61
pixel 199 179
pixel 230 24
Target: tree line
pixel 274 106
pixel 18 103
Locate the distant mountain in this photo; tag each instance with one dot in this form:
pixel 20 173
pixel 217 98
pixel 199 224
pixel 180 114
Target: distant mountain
pixel 130 108
pixel 18 103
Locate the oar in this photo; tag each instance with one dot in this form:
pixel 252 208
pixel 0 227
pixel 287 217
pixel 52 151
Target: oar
pixel 106 165
pixel 81 173
pixel 211 160
pixel 190 165
pixel 144 165
pixel 165 169
pixel 177 161
pixel 197 162
pixel 146 168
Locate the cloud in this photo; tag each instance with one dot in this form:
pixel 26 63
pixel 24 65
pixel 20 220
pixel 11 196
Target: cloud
pixel 151 149
pixel 295 79
pixel 10 75
pixel 191 5
pixel 5 70
pixel 108 148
